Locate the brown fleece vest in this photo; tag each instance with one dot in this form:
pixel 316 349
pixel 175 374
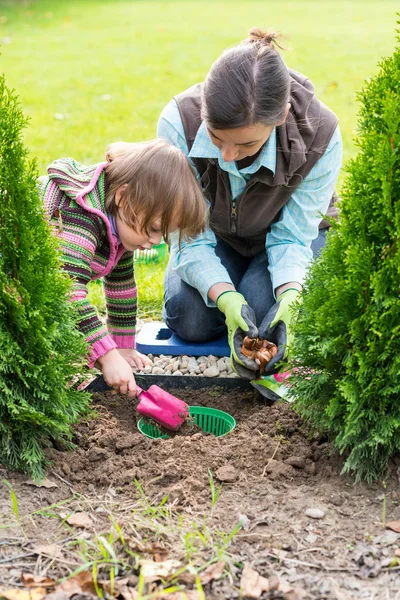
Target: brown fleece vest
pixel 244 222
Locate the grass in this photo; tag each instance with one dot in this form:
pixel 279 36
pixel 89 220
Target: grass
pixel 131 537
pixel 90 72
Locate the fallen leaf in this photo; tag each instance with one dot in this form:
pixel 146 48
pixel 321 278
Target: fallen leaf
pixel 81 583
pixel 397 552
pixel 49 549
pixel 273 583
pixel 294 593
pixel 150 569
pixel 279 553
pixel 213 571
pixel 120 588
pixel 17 594
pixel 29 580
pixel 159 552
pixel 80 519
pixel 46 483
pixel 394 526
pixel 252 584
pixel 58 596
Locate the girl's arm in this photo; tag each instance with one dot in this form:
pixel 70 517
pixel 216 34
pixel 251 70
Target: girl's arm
pixel 121 301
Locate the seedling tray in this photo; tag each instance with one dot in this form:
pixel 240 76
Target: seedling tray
pixel 178 382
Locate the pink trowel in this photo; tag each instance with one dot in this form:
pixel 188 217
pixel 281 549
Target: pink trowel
pixel 162 407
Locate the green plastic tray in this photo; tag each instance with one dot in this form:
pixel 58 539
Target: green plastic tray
pixel 211 420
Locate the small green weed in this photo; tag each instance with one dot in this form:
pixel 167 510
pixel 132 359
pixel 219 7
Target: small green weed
pixel 215 490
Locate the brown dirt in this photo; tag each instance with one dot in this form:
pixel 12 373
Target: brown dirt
pixel 272 472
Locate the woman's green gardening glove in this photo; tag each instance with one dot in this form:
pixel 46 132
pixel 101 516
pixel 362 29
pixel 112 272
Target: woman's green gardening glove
pixel 240 321
pixel 277 326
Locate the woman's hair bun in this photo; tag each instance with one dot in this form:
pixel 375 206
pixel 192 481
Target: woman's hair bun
pixel 267 38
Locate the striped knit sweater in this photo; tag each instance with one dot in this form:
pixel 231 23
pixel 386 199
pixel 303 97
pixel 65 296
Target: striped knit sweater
pixel 74 197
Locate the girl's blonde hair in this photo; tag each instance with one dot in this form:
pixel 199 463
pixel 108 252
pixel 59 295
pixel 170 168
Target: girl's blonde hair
pixel 160 184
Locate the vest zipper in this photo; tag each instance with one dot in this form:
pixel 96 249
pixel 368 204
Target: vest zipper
pixel 233 207
pixel 233 217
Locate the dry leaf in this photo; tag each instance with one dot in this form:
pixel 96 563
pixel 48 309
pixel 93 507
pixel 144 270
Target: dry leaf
pixel 18 594
pixel 397 552
pixel 394 526
pixel 156 570
pixel 120 588
pixel 81 583
pixel 57 596
pixel 292 593
pixel 252 584
pixel 214 571
pixel 279 553
pixel 51 550
pixel 295 593
pixel 80 519
pixel 29 580
pixel 159 553
pixel 46 483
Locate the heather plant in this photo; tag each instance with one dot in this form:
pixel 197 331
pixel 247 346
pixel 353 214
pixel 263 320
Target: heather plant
pixel 41 350
pixel 346 355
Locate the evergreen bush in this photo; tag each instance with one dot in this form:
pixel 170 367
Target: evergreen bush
pixel 41 350
pixel 347 339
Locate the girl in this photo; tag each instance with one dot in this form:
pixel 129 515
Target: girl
pixel 101 215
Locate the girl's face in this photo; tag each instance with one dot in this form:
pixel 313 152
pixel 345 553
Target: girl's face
pixel 236 144
pixel 136 238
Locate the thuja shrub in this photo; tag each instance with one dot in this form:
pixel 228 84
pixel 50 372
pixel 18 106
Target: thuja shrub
pixel 346 355
pixel 41 349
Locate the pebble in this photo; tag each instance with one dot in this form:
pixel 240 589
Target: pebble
pixel 207 366
pixel 221 364
pixel 212 371
pixel 314 513
pixel 158 371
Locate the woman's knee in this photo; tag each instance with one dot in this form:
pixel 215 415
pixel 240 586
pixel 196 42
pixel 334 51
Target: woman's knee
pixel 186 314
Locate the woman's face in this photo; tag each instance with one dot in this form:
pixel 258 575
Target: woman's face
pixel 236 144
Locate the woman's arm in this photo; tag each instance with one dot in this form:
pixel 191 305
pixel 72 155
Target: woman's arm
pixel 195 262
pixel 289 241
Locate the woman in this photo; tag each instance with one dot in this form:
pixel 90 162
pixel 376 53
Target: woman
pixel 267 154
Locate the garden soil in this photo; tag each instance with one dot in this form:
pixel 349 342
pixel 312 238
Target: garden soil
pixel 302 521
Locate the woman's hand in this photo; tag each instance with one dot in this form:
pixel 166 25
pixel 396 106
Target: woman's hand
pixel 117 373
pixel 135 358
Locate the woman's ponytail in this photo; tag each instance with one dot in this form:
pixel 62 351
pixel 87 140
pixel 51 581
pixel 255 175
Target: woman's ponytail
pixel 267 38
pixel 247 84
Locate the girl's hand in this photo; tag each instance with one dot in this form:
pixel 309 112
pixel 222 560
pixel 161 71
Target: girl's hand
pixel 135 358
pixel 117 373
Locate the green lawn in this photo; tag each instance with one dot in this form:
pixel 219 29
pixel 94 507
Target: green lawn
pixel 90 72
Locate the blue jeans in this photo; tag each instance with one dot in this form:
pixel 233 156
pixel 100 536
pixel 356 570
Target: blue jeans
pixel 187 315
